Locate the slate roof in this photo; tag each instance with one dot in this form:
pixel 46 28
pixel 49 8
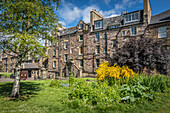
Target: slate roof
pixel 162 17
pixel 29 66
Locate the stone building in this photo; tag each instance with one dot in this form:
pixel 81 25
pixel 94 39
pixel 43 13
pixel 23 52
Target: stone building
pixel 86 45
pixel 80 49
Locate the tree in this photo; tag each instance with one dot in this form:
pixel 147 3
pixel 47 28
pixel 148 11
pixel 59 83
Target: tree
pixel 24 23
pixel 142 52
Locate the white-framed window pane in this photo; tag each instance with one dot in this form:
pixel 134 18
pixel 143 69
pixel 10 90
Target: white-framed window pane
pixel 65 45
pixel 71 50
pixel 123 33
pixel 81 38
pixel 97 62
pixel 97 36
pixel 133 29
pixel 81 63
pixel 54 64
pixel 162 32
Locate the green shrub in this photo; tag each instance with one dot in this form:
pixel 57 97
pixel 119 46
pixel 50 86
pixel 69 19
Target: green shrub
pixel 55 83
pixel 158 83
pixel 94 94
pixel 71 80
pixel 132 93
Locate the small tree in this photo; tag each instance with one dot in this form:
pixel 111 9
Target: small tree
pixel 142 52
pixel 24 23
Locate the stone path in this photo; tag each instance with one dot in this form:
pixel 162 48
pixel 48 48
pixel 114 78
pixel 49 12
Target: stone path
pixel 3 79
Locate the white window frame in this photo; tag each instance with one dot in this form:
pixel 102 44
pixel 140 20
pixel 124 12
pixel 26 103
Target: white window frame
pixel 80 39
pixel 98 24
pixel 81 62
pixel 98 39
pixel 97 63
pixel 54 64
pixel 71 50
pixel 162 32
pixel 131 16
pixel 54 52
pixel 133 33
pixel 65 45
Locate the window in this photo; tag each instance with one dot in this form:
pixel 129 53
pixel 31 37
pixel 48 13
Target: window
pixel 105 50
pixel 131 17
pixel 114 43
pixel 81 63
pixel 115 26
pixel 65 45
pixel 81 38
pixel 105 36
pixel 98 24
pixel 81 50
pixel 71 50
pixel 54 53
pixel 162 32
pixel 123 33
pixel 133 29
pixel 81 26
pixel 65 58
pixel 97 49
pixel 97 36
pixel 97 62
pixel 54 64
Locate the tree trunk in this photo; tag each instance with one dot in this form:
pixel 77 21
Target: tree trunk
pixel 16 85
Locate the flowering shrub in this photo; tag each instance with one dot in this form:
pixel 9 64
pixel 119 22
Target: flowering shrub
pixel 116 72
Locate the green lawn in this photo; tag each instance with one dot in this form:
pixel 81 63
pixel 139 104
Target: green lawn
pixel 37 97
pixel 5 74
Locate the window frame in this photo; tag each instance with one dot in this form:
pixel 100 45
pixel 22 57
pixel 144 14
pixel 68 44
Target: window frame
pixel 114 43
pixel 98 36
pixel 81 63
pixel 129 17
pixel 123 33
pixel 65 58
pixel 82 37
pixel 98 24
pixel 65 45
pixel 132 32
pixel 97 63
pixel 54 53
pixel 54 64
pixel 81 50
pixel 163 32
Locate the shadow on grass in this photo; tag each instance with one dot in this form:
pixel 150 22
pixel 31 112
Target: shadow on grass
pixel 27 90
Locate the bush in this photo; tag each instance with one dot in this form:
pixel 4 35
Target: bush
pixel 91 93
pixel 142 52
pixel 158 83
pixel 112 73
pixel 55 83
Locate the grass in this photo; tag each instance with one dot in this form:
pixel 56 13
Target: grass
pixel 5 74
pixel 38 97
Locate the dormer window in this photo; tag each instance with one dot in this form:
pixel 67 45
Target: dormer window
pixel 131 17
pixel 98 24
pixel 81 26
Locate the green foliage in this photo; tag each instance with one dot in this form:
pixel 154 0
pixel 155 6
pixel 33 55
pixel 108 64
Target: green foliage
pixel 157 83
pixel 6 74
pixel 55 83
pixel 134 93
pixel 71 80
pixel 93 93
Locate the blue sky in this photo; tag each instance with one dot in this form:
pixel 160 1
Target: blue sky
pixel 72 11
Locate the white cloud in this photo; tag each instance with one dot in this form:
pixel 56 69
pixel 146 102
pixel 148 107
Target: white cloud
pixel 62 23
pixel 71 13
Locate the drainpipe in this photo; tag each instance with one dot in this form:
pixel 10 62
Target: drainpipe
pixel 59 57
